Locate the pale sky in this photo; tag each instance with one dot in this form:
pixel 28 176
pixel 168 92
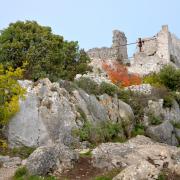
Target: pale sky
pixel 91 22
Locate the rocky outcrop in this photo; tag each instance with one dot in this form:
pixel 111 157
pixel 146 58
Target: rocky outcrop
pixel 140 157
pixel 50 112
pixel 171 114
pixel 164 133
pixel 48 159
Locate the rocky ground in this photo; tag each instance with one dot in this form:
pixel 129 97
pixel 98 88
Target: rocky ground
pixel 139 158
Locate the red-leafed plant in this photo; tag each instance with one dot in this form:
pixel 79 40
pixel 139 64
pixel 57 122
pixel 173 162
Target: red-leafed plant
pixel 119 75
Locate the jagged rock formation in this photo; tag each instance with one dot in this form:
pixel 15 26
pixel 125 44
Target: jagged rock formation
pixel 50 112
pixel 141 157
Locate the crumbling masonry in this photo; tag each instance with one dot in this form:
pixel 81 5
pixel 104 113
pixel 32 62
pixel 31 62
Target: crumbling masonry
pixel 158 50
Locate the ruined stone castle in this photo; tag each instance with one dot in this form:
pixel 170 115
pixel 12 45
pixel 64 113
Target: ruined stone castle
pixel 157 51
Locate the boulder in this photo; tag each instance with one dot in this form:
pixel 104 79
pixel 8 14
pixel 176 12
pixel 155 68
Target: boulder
pixel 47 159
pixel 163 133
pixel 170 114
pixel 134 152
pixel 45 116
pixel 142 170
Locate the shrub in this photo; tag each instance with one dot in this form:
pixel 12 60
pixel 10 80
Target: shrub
pixel 137 102
pixel 96 134
pixel 91 87
pixel 23 174
pixel 82 114
pixel 168 77
pixel 3 145
pixel 22 152
pixel 88 85
pixel 10 92
pixel 152 79
pixel 138 130
pixel 108 88
pixel 168 101
pixel 154 120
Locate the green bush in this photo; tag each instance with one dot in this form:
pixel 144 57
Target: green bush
pixel 152 79
pixel 168 101
pixel 47 54
pixel 10 92
pixel 154 120
pixel 138 130
pixel 22 152
pixel 108 88
pixel 88 85
pixel 168 77
pixel 23 174
pixel 96 134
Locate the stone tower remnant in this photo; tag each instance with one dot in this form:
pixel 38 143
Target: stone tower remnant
pixel 157 51
pixel 118 50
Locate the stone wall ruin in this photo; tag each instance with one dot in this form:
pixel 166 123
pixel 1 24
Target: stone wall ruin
pixel 118 50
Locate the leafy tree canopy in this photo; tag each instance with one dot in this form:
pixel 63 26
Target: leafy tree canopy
pixel 47 54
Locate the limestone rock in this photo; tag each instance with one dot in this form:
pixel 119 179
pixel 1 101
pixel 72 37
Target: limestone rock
pixel 142 88
pixel 142 170
pixel 133 152
pixel 50 113
pixel 118 112
pixel 46 116
pixel 163 133
pixel 10 162
pixel 47 159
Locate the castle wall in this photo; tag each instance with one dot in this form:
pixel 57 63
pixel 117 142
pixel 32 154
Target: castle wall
pixel 162 49
pixel 115 52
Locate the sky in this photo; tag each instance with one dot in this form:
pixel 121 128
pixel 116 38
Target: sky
pixel 91 22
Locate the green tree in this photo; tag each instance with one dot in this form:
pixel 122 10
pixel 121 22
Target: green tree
pixel 47 54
